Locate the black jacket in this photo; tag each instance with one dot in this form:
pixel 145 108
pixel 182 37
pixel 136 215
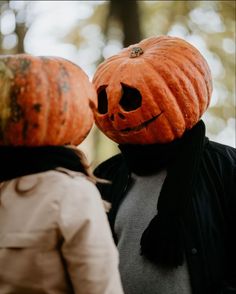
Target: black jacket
pixel 209 223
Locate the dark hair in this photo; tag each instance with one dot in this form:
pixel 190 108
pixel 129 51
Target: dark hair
pixel 87 170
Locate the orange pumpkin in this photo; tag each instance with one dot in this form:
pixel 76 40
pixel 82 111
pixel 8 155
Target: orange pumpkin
pixel 152 92
pixel 44 101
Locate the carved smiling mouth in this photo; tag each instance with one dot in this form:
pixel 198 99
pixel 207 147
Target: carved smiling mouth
pixel 142 125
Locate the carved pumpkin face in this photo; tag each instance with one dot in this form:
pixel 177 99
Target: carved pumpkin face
pixel 152 92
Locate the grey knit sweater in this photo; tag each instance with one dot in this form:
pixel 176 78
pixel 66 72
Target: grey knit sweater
pixel 138 275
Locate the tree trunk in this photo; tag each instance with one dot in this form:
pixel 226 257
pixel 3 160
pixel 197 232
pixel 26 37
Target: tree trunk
pixel 20 31
pixel 127 13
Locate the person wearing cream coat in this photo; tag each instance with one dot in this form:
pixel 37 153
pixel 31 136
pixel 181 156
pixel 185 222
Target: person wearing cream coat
pixel 54 236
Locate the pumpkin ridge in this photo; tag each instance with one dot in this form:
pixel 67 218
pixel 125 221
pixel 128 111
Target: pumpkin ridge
pixel 168 88
pixel 198 91
pixel 195 65
pixel 86 106
pixel 68 121
pixel 19 123
pixel 41 122
pixel 117 68
pixel 193 98
pixel 187 112
pixel 72 120
pixel 174 100
pixel 185 72
pixel 47 100
pixel 104 74
pixel 63 104
pixel 104 67
pixel 62 89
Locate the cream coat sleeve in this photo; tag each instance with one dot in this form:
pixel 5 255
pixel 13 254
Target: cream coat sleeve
pixel 88 249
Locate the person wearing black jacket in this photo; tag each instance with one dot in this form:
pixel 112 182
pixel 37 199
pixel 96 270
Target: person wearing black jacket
pixel 172 195
pixel 204 218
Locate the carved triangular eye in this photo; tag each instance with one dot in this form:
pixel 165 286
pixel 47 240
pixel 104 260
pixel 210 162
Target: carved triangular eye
pixel 131 98
pixel 102 101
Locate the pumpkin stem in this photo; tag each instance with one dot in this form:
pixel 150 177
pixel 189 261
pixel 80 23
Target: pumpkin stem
pixel 135 52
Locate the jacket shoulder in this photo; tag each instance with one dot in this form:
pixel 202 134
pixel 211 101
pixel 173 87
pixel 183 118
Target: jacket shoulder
pixel 220 164
pixel 223 152
pixel 110 167
pixel 116 171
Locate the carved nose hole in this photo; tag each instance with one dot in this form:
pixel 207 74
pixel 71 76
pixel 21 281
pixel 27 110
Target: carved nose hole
pixel 121 115
pixel 112 117
pixel 102 101
pixel 131 98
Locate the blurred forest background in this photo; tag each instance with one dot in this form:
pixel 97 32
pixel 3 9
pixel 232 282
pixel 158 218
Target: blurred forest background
pixel 87 32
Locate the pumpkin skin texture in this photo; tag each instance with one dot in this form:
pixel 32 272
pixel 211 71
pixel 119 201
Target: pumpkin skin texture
pixel 44 101
pixel 152 92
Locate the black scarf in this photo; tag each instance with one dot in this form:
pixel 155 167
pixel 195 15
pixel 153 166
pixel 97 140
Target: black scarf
pixel 162 241
pixel 20 161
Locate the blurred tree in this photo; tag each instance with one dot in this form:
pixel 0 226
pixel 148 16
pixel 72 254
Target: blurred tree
pixel 126 15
